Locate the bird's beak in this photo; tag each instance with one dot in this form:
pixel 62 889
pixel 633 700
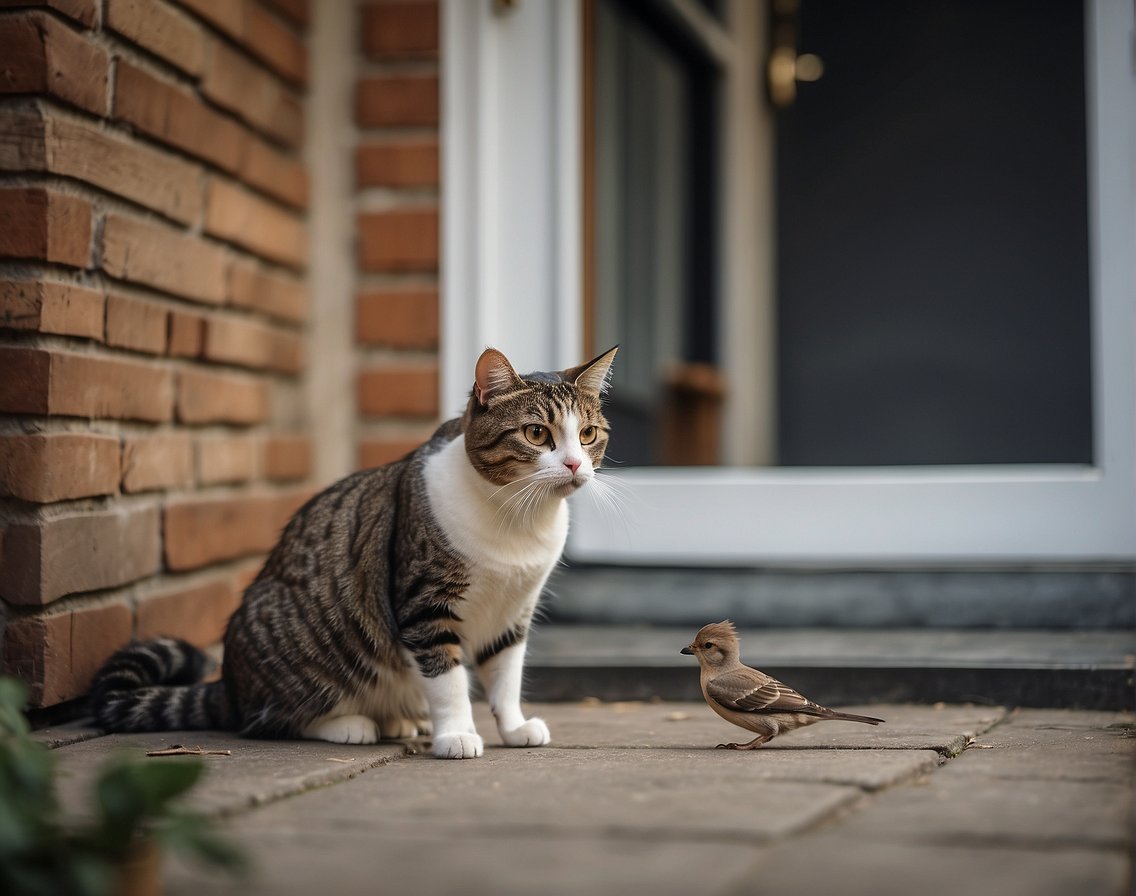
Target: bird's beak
pixel 687 651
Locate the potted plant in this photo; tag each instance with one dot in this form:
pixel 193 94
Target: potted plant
pixel 119 850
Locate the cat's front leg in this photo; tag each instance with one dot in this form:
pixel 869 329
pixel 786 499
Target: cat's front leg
pixel 451 713
pixel 501 676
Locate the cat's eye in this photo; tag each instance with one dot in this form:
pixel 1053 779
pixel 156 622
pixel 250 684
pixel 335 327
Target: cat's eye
pixel 588 435
pixel 537 434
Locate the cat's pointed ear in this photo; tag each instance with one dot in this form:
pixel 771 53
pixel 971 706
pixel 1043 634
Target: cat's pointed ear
pixel 493 375
pixel 595 375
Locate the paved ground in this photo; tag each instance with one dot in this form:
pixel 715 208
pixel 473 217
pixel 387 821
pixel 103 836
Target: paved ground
pixel 631 798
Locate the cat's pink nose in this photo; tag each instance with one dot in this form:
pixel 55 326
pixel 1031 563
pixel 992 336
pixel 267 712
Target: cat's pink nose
pixel 572 464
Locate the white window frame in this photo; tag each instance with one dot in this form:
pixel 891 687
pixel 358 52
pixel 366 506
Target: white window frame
pixel 753 515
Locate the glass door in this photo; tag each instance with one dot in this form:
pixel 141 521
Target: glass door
pixel 941 320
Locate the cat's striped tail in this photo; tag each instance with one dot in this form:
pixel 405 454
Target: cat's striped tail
pixel 156 686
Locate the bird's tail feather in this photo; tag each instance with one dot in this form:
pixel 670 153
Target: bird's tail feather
pixel 849 717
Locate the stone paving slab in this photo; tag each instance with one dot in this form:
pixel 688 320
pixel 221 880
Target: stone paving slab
pixel 255 773
pixel 1047 809
pixel 351 862
pixel 652 810
pixel 1091 746
pixel 633 798
pixel 830 863
pixel 669 794
pixel 944 729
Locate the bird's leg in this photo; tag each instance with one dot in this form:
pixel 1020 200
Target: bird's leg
pixel 752 745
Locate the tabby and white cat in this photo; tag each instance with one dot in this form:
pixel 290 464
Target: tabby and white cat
pixel 357 626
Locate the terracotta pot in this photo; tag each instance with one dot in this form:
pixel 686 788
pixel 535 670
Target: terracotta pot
pixel 140 872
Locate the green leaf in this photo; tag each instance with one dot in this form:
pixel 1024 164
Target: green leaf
pixel 162 781
pixel 26 769
pixel 13 699
pixel 123 805
pixel 193 834
pixel 90 875
pixel 132 794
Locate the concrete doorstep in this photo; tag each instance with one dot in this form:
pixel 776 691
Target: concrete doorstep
pixel 633 798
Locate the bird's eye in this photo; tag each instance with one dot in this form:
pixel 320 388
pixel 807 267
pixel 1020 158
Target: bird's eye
pixel 709 645
pixel 536 434
pixel 588 435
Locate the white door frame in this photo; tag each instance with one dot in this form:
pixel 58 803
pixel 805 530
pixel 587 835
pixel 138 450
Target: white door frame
pixel 496 219
pixel 511 259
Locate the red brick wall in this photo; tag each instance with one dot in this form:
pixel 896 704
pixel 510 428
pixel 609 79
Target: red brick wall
pixel 153 243
pixel 397 217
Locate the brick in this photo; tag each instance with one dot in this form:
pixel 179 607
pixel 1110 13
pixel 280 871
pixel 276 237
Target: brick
pixel 58 654
pixel 242 87
pixel 397 101
pixel 298 11
pixel 42 55
pixel 241 217
pixel 402 391
pixel 136 324
pixel 276 173
pixel 58 466
pixel 397 163
pixel 43 141
pixel 226 459
pixel 157 462
pixel 276 44
pixel 49 307
pixel 84 386
pixel 401 240
pixel 404 318
pixel 260 32
pixel 225 15
pixel 211 397
pixel 162 30
pixel 175 116
pixel 203 531
pixel 279 295
pixel 198 613
pixel 187 334
pixel 23 141
pixel 81 551
pixel 65 384
pixel 86 12
pixel 375 452
pixel 45 225
pixel 287 458
pixel 26 385
pixel 400 30
pixel 250 343
pixel 164 258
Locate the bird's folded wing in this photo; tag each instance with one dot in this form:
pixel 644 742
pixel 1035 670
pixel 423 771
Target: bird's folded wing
pixel 746 690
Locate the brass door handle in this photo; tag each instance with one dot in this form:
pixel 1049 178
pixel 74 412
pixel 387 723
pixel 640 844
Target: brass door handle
pixel 785 66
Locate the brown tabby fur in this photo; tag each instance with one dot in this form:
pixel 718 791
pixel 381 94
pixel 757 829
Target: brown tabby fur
pixel 360 585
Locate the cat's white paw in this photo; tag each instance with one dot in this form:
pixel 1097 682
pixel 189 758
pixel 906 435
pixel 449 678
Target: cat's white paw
pixel 458 746
pixel 344 730
pixel 398 729
pixel 533 733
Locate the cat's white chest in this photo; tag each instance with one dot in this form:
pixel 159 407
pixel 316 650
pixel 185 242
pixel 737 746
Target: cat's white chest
pixel 509 557
pixel 489 534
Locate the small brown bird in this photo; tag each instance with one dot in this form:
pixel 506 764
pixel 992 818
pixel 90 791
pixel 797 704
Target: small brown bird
pixel 748 698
